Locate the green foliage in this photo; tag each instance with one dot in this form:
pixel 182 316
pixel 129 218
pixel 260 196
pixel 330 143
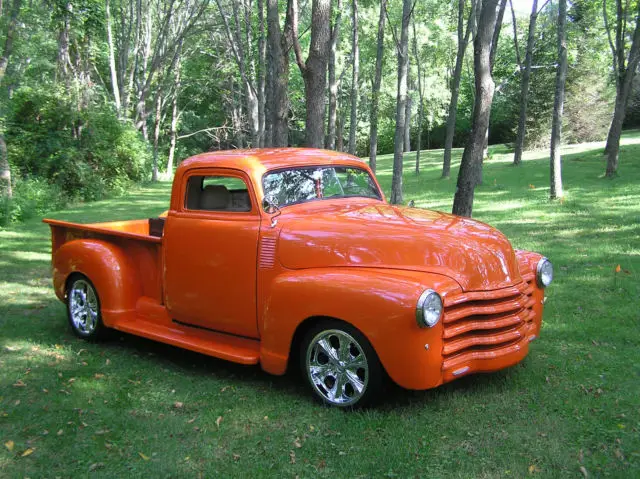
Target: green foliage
pixel 31 198
pixel 86 154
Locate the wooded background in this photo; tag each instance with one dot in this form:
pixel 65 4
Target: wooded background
pixel 97 95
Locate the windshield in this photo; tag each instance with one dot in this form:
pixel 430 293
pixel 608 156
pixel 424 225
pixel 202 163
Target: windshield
pixel 297 185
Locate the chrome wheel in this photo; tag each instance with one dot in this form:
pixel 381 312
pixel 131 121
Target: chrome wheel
pixel 83 307
pixel 337 367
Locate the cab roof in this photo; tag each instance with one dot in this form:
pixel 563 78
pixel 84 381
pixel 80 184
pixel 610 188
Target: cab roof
pixel 263 159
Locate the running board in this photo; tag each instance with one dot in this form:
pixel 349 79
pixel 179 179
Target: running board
pixel 219 345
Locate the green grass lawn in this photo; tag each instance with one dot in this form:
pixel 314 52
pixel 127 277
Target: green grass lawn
pixel 131 407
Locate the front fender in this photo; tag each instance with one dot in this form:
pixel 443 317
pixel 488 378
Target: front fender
pixel 380 303
pixel 109 269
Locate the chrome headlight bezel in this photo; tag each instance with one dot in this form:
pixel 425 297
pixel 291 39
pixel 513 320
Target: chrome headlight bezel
pixel 429 303
pixel 544 272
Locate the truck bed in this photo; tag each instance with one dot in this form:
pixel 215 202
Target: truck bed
pixel 134 229
pixel 133 237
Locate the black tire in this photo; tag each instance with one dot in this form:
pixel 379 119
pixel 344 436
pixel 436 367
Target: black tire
pixel 83 309
pixel 340 365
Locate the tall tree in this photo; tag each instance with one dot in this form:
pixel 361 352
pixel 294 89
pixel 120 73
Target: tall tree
pixel 375 91
pixel 408 106
pixel 525 79
pixel 261 74
pixel 333 82
pixel 471 164
pixel 314 68
pixel 402 47
pixel 625 71
pixel 175 116
pixel 418 62
pixel 5 169
pixel 558 104
pixel 278 46
pixel 463 40
pixel 355 48
pixel 112 58
pixel 240 42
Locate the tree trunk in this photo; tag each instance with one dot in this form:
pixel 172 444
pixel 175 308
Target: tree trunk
pixel 64 61
pixel 524 85
pixel 112 59
pixel 8 43
pixel 314 69
pixel 5 168
pixel 333 83
pixel 340 132
pixel 375 93
pixel 416 56
pixel 492 57
pixel 407 115
pixel 173 133
pixel 247 72
pixel 261 73
pixel 173 129
pixel 558 104
pixel 463 40
pixel 279 64
pixel 471 163
pixel 355 48
pixel 403 66
pixel 143 89
pixel 622 98
pixel 156 135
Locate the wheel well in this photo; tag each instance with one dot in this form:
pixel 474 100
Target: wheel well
pixel 67 281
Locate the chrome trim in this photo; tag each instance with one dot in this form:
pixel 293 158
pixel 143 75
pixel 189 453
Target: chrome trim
pixel 539 267
pixel 83 307
pixel 337 367
pixel 420 306
pixel 460 371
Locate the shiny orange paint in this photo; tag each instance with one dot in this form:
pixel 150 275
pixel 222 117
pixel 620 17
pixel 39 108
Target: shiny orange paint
pixel 233 285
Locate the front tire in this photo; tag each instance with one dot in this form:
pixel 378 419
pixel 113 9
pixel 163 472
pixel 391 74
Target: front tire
pixel 83 309
pixel 340 365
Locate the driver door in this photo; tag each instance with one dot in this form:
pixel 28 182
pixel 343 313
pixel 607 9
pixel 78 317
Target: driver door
pixel 210 247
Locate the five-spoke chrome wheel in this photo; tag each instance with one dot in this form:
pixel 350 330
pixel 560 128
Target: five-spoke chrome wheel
pixel 340 364
pixel 84 307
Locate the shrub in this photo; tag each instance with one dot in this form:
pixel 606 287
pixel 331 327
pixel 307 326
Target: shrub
pixel 85 154
pixel 31 198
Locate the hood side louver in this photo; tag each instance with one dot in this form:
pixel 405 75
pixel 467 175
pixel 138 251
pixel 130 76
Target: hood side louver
pixel 267 254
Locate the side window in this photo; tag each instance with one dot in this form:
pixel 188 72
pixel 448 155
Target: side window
pixel 217 193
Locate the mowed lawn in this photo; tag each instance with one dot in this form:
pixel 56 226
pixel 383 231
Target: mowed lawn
pixel 133 408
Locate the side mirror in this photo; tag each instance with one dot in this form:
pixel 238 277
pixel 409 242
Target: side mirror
pixel 270 204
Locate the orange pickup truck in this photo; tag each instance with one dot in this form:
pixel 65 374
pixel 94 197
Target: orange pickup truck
pixel 292 257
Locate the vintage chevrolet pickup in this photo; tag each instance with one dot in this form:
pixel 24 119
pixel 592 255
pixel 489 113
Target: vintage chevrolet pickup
pixel 292 257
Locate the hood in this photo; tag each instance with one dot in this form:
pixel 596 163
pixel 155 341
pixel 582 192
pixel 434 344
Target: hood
pixel 332 233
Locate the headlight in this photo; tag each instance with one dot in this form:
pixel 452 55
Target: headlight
pixel 429 309
pixel 544 273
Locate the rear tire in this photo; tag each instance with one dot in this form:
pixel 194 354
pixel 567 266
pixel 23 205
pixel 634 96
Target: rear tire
pixel 83 309
pixel 340 365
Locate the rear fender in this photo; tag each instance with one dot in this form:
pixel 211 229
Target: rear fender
pixel 379 303
pixel 109 269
